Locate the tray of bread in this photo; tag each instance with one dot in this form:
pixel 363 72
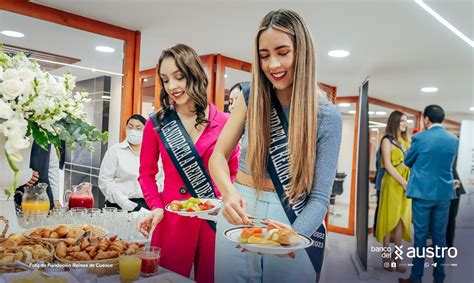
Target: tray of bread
pixel 18 247
pixel 101 253
pixel 56 233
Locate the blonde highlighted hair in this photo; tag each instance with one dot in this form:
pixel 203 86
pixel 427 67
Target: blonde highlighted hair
pixel 302 132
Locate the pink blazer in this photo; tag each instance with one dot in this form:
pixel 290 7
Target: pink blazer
pixel 153 149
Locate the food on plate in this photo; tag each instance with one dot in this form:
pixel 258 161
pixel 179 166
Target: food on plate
pixel 274 235
pixel 36 277
pixel 61 232
pixel 95 249
pixel 191 205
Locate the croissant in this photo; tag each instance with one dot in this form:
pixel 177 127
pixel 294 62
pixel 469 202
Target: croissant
pixel 117 246
pixel 103 245
pixel 61 249
pixel 81 256
pixel 93 253
pixel 84 243
pixel 73 249
pixel 106 255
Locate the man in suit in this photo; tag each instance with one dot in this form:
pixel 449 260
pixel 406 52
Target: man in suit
pixel 431 187
pixel 454 207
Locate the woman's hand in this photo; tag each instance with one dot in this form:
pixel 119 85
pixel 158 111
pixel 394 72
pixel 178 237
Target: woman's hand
pixel 404 185
pixel 234 208
pixel 147 224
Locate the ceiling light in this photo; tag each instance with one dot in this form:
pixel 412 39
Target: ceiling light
pixel 105 96
pixel 410 121
pixel 12 33
pixel 376 124
pixel 225 76
pixel 79 67
pixel 381 113
pixel 344 104
pixel 471 108
pixel 371 112
pixel 104 49
pixel 352 111
pixel 374 130
pixel 429 89
pixel 338 53
pixel 444 22
pixel 145 80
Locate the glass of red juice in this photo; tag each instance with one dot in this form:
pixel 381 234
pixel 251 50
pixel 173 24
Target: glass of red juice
pixel 150 261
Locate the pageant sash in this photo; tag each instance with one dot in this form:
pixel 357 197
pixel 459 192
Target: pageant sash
pixel 279 170
pixel 185 157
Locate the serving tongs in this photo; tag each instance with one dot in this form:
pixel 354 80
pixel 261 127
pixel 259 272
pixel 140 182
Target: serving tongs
pixel 87 234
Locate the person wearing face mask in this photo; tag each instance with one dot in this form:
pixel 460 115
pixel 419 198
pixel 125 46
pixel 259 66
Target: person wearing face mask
pixel 119 169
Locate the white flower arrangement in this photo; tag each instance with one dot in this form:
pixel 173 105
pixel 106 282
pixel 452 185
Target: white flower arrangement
pixel 38 104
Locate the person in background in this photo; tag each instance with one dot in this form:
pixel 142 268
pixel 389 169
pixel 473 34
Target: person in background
pixel 431 188
pixel 394 208
pixel 118 176
pixel 454 207
pixel 234 92
pixel 183 135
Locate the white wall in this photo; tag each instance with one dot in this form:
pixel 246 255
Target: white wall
pixel 115 109
pixel 345 157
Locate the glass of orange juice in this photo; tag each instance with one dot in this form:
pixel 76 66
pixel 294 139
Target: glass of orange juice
pixel 129 267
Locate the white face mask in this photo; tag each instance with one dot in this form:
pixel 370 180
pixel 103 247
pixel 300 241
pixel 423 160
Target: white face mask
pixel 134 136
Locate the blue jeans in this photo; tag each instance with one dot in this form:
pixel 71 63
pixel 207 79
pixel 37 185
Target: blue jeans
pixel 429 216
pixel 232 265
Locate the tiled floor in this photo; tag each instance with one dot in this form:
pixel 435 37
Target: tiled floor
pixel 338 267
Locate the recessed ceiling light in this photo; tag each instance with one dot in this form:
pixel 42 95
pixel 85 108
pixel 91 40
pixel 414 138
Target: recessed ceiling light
pixel 429 89
pixel 338 53
pixel 471 108
pixel 344 104
pixel 352 111
pixel 371 112
pixel 80 67
pixel 381 113
pixel 445 23
pixel 104 49
pixel 410 121
pixel 12 33
pixel 225 76
pixel 145 80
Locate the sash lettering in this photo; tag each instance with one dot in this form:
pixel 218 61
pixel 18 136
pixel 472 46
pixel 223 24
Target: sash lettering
pixel 279 170
pixel 185 157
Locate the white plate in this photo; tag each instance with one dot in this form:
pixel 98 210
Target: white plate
pixel 217 205
pixel 233 234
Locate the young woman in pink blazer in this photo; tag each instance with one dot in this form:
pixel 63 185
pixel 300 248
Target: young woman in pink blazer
pixel 184 241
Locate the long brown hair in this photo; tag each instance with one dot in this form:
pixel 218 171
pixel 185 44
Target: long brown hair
pixel 393 126
pixel 190 65
pixel 302 135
